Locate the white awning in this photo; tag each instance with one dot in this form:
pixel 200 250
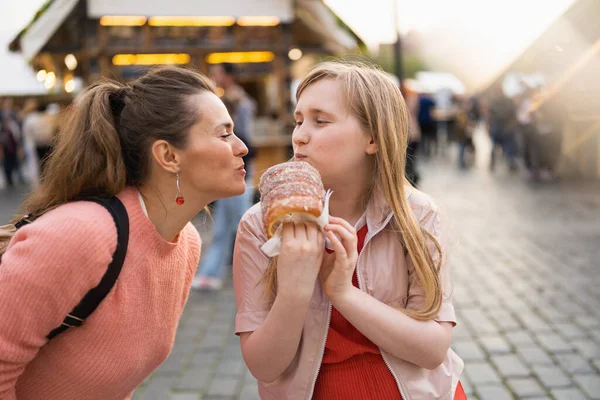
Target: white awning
pixel 42 30
pixel 16 76
pixel 316 15
pixel 282 9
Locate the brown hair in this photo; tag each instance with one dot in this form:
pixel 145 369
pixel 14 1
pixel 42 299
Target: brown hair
pixel 104 143
pixel 379 106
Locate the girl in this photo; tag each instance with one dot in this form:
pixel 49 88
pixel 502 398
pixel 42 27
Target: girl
pixel 373 319
pixel 164 146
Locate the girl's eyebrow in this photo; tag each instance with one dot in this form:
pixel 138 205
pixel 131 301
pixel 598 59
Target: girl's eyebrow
pixel 313 111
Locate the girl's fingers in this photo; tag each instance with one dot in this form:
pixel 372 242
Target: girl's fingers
pixel 315 235
pixel 320 238
pixel 300 231
pixel 348 239
pixel 338 247
pixel 311 231
pixel 343 222
pixel 287 232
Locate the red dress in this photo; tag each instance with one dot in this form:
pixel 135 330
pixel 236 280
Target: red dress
pixel 352 366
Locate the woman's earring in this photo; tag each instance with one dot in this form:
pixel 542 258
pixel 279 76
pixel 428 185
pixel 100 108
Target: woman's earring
pixel 179 199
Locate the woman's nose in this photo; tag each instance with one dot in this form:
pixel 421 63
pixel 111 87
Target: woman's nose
pixel 239 148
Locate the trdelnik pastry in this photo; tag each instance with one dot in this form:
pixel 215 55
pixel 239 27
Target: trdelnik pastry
pixel 291 191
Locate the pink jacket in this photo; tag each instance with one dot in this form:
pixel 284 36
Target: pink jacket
pixel 383 271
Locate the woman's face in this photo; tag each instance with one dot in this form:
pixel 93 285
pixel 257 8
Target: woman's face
pixel 211 164
pixel 328 135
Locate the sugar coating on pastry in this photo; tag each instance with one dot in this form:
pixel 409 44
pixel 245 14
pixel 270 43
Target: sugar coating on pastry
pixel 291 187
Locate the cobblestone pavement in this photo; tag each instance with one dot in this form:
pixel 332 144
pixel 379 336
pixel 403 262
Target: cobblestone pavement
pixel 526 269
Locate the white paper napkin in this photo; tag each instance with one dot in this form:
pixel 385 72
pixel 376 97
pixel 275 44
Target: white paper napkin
pixel 272 246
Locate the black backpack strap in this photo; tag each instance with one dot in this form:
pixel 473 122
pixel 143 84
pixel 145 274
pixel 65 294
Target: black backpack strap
pixel 95 296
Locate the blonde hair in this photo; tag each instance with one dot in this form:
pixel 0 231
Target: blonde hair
pixel 380 108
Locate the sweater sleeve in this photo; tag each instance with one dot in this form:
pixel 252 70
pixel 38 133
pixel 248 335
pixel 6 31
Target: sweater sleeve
pixel 47 269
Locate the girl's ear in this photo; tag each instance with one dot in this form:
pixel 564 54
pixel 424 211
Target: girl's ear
pixel 371 147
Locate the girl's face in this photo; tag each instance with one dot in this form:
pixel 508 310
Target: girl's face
pixel 328 135
pixel 212 164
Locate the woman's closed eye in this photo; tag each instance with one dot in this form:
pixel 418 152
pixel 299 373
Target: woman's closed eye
pixel 225 135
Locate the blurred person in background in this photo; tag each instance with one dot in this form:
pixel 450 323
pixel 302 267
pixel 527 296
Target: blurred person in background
pixel 457 104
pixel 427 123
pixel 463 128
pixel 502 126
pixel 29 164
pixel 474 110
pixel 414 133
pixel 29 106
pixel 527 132
pixel 160 149
pixel 13 124
pixel 228 212
pixel 444 112
pixel 8 109
pixel 32 124
pixel 9 150
pixel 44 130
pixel 549 126
pixel 225 76
pixel 9 112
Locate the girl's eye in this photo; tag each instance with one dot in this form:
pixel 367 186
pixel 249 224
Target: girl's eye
pixel 225 135
pixel 298 123
pixel 321 122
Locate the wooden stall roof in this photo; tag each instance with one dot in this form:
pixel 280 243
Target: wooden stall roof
pixel 313 15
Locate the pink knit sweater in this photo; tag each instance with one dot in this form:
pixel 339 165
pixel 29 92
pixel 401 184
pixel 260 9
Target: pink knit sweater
pixel 48 268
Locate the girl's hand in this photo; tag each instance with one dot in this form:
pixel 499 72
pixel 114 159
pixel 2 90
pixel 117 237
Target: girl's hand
pixel 338 268
pixel 300 259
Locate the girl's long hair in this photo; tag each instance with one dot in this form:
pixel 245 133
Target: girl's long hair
pixel 379 106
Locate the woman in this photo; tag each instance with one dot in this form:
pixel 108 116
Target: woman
pixel 164 145
pixel 373 319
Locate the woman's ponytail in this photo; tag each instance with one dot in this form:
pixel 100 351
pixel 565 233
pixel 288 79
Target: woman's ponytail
pixel 87 157
pixel 105 140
